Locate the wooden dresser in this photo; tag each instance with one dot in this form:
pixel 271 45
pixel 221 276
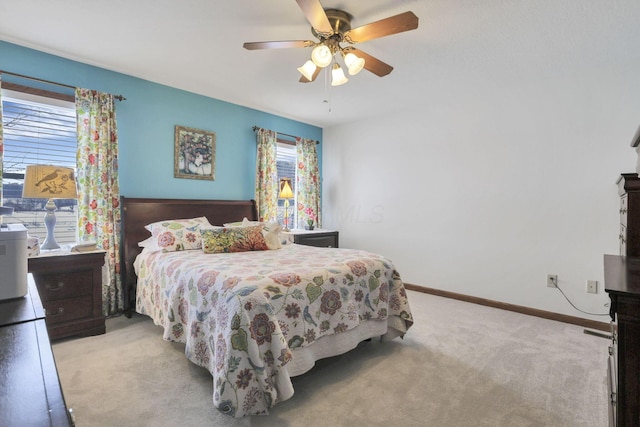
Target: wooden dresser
pixel 622 283
pixel 629 191
pixel 70 286
pixel 31 392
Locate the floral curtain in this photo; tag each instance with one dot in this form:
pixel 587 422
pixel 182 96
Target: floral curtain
pixel 267 175
pixel 98 189
pixel 308 182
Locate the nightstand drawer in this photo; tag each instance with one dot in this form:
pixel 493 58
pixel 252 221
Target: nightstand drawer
pixel 64 310
pixel 321 240
pixel 64 285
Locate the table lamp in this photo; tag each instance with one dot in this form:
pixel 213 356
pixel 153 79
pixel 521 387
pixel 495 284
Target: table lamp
pixel 286 193
pixel 49 182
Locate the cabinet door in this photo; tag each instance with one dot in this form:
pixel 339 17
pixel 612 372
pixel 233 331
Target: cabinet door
pixel 612 376
pixel 627 364
pixel 624 203
pixel 611 391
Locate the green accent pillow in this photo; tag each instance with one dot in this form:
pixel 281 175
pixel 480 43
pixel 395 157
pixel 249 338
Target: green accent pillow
pixel 232 239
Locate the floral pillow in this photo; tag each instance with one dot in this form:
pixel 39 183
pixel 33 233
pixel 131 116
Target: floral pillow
pixel 233 239
pixel 270 230
pixel 175 234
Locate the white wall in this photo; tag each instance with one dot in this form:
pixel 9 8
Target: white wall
pixel 492 183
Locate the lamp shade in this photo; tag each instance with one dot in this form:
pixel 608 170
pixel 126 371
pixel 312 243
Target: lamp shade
pixel 354 64
pixel 337 76
pixel 308 69
pixel 285 189
pixel 49 182
pixel 321 55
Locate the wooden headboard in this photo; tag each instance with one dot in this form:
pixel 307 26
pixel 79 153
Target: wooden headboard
pixel 136 213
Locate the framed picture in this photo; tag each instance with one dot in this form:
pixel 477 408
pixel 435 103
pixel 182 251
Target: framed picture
pixel 194 154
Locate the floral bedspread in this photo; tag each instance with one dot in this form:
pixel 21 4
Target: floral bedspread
pixel 241 315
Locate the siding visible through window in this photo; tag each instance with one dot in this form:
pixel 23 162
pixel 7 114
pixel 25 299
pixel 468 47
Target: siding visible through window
pixel 37 130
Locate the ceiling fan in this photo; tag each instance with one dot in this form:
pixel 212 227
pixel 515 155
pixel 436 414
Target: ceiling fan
pixel 333 27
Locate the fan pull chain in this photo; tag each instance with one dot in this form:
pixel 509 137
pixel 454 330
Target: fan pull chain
pixel 327 94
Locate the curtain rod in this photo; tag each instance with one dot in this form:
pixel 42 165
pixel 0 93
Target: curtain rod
pixel 282 133
pixel 118 97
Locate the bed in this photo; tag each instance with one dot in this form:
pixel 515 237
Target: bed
pixel 255 318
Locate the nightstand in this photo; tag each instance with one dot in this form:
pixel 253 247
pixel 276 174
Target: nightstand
pixel 70 287
pixel 320 238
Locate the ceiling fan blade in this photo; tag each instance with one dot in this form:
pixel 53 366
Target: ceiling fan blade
pixel 303 79
pixel 385 27
pixel 278 44
pixel 316 16
pixel 372 64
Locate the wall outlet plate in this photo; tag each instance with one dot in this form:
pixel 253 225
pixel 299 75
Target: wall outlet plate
pixel 552 280
pixel 592 286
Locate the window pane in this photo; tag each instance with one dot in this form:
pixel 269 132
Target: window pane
pixel 37 130
pixel 286 165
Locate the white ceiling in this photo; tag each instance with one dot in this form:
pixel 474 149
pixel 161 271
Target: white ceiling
pixel 196 45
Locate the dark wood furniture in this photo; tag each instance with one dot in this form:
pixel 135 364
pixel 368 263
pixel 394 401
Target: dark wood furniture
pixel 629 191
pixel 322 239
pixel 137 212
pixel 622 283
pixel 70 286
pixel 31 391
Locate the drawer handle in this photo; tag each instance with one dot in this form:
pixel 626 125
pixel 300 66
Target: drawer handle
pixel 60 311
pixel 57 288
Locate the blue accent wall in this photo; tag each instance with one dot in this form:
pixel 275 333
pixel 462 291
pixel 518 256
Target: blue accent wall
pixel 146 123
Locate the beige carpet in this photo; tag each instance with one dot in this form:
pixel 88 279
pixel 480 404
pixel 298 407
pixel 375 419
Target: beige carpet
pixel 460 365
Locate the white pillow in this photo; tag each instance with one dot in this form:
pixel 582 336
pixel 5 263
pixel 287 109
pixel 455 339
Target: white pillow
pixel 175 234
pixel 271 232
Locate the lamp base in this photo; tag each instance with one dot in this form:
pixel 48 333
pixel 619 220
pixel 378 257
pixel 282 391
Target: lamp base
pixel 50 223
pixel 286 216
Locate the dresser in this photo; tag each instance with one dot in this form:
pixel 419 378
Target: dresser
pixel 320 238
pixel 31 392
pixel 629 191
pixel 70 287
pixel 622 283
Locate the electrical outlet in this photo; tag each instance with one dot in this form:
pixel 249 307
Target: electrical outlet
pixel 552 280
pixel 592 286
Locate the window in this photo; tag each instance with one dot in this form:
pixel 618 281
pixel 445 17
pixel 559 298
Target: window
pixel 37 130
pixel 286 165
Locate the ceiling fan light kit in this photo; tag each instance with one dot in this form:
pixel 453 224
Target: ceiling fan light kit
pixel 308 69
pixel 321 55
pixel 337 76
pixel 353 63
pixel 332 27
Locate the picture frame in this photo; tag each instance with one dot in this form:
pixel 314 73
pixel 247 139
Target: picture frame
pixel 194 153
